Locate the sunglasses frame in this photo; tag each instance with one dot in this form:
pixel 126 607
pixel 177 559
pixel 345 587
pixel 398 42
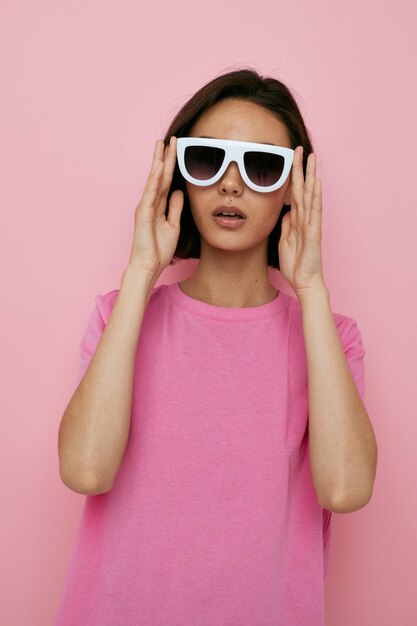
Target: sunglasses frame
pixel 234 151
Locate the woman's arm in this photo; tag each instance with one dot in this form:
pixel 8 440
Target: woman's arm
pixel 342 444
pixel 94 428
pixel 343 450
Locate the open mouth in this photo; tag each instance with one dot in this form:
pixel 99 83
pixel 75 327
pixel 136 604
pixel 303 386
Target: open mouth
pixel 233 216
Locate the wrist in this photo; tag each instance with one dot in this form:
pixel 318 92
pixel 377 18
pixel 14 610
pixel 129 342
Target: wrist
pixel 318 292
pixel 134 273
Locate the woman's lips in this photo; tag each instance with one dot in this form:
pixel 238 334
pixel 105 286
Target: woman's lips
pixel 229 209
pixel 229 222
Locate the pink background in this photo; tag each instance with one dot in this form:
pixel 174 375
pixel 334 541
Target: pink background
pixel 87 88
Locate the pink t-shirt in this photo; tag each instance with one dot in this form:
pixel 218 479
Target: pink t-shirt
pixel 213 519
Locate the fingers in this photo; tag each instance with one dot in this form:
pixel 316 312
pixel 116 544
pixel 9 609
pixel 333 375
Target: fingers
pixel 309 185
pixel 156 156
pixel 146 206
pixel 297 183
pixel 159 179
pixel 302 191
pixel 316 209
pixel 170 159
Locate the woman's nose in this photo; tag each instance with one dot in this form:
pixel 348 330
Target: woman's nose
pixel 231 179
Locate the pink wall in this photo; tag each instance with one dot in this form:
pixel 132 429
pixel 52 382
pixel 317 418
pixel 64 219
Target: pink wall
pixel 87 87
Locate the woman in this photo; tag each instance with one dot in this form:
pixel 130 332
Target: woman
pixel 211 467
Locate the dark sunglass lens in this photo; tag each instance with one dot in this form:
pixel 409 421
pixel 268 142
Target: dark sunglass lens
pixel 263 168
pixel 203 162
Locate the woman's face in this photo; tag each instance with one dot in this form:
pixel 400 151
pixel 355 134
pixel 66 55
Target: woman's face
pixel 242 121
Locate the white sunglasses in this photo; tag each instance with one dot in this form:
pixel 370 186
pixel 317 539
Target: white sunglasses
pixel 263 167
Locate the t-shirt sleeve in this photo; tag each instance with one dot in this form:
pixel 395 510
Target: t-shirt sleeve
pixel 99 317
pixel 351 340
pixel 90 339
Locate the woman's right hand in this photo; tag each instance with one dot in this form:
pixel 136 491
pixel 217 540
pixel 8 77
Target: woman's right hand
pixel 155 237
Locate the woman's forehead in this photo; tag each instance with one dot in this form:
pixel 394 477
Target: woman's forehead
pixel 241 121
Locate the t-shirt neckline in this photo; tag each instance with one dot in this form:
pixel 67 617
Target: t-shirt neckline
pixel 212 311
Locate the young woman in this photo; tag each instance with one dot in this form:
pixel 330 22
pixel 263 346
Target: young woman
pixel 217 422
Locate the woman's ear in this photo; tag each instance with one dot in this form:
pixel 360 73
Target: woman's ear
pixel 287 199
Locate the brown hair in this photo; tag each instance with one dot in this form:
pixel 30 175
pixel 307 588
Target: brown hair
pixel 243 84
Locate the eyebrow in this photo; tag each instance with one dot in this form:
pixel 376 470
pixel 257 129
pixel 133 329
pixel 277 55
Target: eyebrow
pixel 207 137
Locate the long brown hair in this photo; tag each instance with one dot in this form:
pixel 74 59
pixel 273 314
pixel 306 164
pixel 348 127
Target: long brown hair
pixel 243 84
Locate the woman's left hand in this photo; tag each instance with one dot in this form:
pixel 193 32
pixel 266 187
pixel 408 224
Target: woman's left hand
pixel 299 246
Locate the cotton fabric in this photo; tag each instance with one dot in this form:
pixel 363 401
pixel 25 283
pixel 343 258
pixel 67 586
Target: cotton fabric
pixel 213 519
